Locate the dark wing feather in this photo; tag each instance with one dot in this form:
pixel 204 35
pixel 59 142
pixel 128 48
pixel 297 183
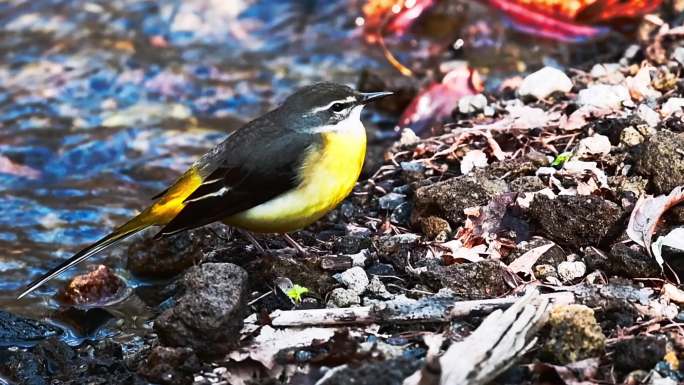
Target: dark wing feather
pixel 251 168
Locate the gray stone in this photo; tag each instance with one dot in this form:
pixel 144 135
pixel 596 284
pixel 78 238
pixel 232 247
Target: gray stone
pixel 208 317
pixel 354 279
pixel 391 201
pixel 343 298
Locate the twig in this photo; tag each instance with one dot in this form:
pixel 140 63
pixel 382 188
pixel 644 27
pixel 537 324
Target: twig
pixel 429 309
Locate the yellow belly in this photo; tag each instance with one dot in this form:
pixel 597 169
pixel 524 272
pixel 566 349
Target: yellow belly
pixel 329 175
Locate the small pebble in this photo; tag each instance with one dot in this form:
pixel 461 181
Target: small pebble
pixel 378 290
pixel 678 55
pixel 569 271
pixel 343 298
pixel 671 106
pixel 631 137
pixel 472 103
pixel 648 115
pixel 354 279
pixel 604 96
pixel 391 201
pixel 595 145
pixel 544 82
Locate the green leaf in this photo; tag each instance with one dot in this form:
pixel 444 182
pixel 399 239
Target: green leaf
pixel 296 293
pixel 561 159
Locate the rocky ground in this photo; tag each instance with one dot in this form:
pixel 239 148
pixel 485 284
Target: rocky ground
pixel 564 181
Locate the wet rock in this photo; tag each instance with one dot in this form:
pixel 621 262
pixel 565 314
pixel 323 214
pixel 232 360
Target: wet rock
pixel 354 279
pixel 435 228
pixel 574 334
pixel 449 198
pixel 484 279
pixel 624 261
pixel 168 256
pixel 351 244
pixel 604 96
pixel 662 162
pixel 576 221
pixel 96 287
pixel 54 362
pixel 391 201
pixel 388 372
pixel 343 298
pixel 83 322
pixel 208 317
pixel 20 331
pixel 545 82
pixel 640 352
pixel 170 366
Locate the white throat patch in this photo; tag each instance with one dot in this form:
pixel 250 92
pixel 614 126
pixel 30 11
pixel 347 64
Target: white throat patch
pixel 350 124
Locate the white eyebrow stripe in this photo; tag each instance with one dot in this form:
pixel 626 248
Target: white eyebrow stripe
pixel 348 99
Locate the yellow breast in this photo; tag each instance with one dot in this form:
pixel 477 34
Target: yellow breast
pixel 328 175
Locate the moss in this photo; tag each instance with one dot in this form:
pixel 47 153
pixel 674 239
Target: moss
pixel 574 334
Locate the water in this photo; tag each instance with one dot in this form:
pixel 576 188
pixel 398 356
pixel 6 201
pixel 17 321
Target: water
pixel 103 103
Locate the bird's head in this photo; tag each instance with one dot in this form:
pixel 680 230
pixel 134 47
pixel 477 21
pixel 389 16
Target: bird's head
pixel 325 106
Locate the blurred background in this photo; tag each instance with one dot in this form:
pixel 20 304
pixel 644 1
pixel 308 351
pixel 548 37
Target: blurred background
pixel 104 103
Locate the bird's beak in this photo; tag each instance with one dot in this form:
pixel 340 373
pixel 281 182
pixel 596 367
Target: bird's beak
pixel 371 96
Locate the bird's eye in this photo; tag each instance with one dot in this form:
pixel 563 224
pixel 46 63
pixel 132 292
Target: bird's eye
pixel 337 107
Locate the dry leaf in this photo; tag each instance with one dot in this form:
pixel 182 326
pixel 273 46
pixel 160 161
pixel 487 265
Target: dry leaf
pixel 647 213
pixel 523 264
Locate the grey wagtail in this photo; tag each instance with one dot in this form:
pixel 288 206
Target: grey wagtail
pixel 276 174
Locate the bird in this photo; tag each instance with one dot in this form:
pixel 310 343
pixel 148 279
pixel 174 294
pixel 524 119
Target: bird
pixel 276 174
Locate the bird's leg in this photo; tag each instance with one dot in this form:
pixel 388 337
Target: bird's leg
pixel 252 240
pixel 294 244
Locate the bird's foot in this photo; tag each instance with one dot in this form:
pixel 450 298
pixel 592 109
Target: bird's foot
pixel 260 249
pixel 301 251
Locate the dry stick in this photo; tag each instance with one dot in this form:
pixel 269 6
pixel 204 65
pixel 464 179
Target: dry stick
pixel 430 309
